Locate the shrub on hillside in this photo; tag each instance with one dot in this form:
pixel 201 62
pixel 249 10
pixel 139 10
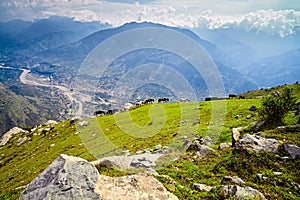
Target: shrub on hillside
pixel 275 107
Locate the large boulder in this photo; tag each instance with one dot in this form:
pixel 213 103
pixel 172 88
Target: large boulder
pixel 6 137
pixel 74 178
pixel 66 178
pixel 237 192
pixel 257 143
pixel 141 187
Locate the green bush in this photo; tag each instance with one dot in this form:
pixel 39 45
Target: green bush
pixel 274 108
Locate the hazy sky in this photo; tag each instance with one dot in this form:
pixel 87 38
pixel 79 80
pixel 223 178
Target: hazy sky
pixel 274 16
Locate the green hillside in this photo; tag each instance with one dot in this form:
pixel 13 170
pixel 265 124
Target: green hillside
pixel 22 105
pixel 21 161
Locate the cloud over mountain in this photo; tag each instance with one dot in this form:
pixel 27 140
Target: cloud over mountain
pixel 275 22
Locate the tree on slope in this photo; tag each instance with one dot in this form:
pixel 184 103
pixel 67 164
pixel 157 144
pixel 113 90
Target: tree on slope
pixel 275 108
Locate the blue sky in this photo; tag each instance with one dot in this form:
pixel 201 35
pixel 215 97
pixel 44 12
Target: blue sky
pixel 273 16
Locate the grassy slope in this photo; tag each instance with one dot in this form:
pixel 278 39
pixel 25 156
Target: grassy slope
pixel 20 164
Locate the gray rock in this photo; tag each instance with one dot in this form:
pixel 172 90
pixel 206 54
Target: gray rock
pixel 74 178
pixel 292 150
pixel 83 123
pixel 224 145
pixel 51 122
pixel 204 151
pixel 202 187
pixel 257 143
pixel 145 160
pixel 238 192
pixel 262 177
pixel 252 108
pixel 260 124
pixel 232 180
pixel 66 178
pixel 141 187
pixel 8 135
pixel 235 135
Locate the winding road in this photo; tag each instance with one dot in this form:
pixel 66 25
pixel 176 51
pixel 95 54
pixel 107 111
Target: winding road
pixel 66 91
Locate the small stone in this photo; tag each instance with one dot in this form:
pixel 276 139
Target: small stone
pixel 52 145
pixel 202 187
pixel 224 145
pixel 285 158
pixel 158 147
pixel 235 135
pixel 83 123
pixel 184 137
pixel 152 171
pixel 232 180
pixel 248 116
pixel 292 150
pixel 238 192
pixel 252 108
pixel 262 177
pixel 277 173
pixel 51 122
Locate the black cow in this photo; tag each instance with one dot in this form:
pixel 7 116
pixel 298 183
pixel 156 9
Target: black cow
pixel 147 101
pixel 231 96
pixel 163 100
pixel 99 112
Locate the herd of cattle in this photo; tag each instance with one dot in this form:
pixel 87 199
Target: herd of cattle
pixel 138 103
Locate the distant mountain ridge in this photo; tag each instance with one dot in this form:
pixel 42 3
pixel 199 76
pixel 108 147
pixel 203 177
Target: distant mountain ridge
pixel 281 69
pixel 73 54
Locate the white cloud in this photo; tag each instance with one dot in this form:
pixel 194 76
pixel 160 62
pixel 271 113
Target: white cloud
pixel 214 14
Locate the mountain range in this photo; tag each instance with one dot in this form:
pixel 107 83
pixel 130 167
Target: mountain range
pixel 54 49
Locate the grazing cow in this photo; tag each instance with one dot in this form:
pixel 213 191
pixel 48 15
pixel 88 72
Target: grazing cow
pixel 139 103
pixel 242 97
pixel 163 100
pixel 109 112
pixel 231 96
pixel 99 112
pixel 147 101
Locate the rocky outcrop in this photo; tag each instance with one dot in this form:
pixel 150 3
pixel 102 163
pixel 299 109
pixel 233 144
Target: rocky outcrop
pixel 74 178
pixel 257 143
pixel 145 160
pixel 238 192
pixel 292 150
pixel 200 146
pixel 8 135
